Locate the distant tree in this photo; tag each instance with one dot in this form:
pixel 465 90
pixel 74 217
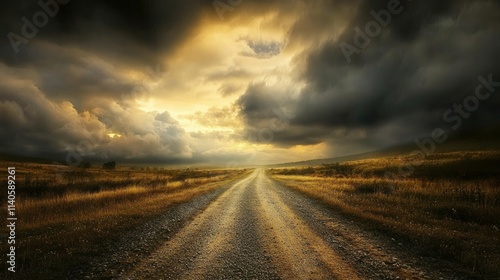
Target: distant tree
pixel 85 165
pixel 109 165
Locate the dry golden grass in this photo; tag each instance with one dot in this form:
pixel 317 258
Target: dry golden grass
pixel 64 216
pixel 448 207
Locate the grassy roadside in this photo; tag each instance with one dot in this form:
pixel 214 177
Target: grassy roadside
pixel 449 207
pixel 63 220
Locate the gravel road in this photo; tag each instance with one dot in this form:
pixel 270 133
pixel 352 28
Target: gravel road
pixel 259 229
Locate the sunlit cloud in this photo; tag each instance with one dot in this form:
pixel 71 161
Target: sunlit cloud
pixel 114 135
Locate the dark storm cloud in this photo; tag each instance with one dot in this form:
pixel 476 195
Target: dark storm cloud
pixel 135 31
pixel 399 78
pixel 74 78
pixel 69 74
pixel 415 15
pixel 79 53
pixel 399 86
pixel 260 103
pixel 267 112
pixel 263 50
pixel 84 79
pixel 34 126
pixel 320 19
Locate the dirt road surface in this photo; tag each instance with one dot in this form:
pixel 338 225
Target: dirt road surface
pixel 259 229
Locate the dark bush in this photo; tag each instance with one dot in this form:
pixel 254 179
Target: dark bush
pixel 109 165
pixel 85 165
pixel 337 169
pixel 376 187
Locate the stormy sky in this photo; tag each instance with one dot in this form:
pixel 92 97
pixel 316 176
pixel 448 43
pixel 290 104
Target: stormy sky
pixel 237 82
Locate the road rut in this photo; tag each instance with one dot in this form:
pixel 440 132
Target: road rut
pixel 258 229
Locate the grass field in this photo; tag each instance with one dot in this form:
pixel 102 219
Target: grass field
pixel 65 213
pixel 447 206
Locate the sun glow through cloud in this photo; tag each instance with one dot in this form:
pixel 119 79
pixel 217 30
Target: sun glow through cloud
pixel 114 135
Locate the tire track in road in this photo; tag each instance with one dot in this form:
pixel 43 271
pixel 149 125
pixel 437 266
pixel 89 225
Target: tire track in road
pixel 237 254
pixel 259 229
pixel 371 254
pixel 220 243
pixel 298 251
